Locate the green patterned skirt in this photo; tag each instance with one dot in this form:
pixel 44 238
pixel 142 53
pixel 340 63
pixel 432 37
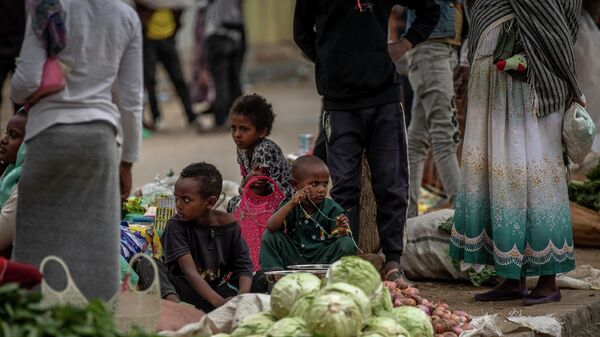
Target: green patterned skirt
pixel 512 208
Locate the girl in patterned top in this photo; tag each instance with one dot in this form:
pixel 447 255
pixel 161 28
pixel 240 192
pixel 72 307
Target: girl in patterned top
pixel 251 119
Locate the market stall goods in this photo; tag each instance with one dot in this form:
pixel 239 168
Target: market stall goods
pixel 353 302
pixel 445 322
pixel 290 289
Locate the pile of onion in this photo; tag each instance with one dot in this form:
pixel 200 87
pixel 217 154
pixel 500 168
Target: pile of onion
pixel 446 323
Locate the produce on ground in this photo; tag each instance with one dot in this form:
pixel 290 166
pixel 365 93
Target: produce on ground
pixel 359 297
pixel 289 327
pixel 354 303
pixel 256 324
pixel 335 315
pixel 384 326
pixel 303 305
pixel 445 322
pixel 289 289
pixel 383 302
pixel 21 315
pixel 357 272
pixel 587 193
pixel 413 319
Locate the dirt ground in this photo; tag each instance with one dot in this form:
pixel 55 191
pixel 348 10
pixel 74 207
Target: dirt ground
pixel 578 309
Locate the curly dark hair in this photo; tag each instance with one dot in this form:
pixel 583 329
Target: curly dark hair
pixel 257 109
pixel 210 181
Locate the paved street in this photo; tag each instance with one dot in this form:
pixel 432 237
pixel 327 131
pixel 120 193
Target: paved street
pixel 297 108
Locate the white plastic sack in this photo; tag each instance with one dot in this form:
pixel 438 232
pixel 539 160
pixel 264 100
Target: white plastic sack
pixel 226 318
pixel 587 49
pixel 425 253
pixel 514 326
pixel 230 189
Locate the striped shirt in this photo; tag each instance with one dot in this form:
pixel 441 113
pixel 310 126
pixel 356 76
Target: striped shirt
pixel 548 29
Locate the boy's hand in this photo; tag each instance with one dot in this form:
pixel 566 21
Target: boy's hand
pixel 300 196
pixel 260 186
pixel 341 224
pixel 217 302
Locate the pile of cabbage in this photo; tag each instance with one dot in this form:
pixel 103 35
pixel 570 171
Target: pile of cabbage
pixel 350 302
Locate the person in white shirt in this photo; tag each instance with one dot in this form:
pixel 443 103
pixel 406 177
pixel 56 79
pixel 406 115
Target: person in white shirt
pixel 69 190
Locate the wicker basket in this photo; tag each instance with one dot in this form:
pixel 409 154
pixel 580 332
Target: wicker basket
pixel 164 212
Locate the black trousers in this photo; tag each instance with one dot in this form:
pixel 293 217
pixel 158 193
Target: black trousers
pixel 381 132
pixel 224 56
pixel 165 52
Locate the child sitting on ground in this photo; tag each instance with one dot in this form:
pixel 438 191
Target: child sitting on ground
pixel 309 228
pixel 251 119
pixel 206 258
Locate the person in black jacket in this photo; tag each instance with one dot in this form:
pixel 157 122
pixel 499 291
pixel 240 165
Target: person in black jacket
pixel 348 42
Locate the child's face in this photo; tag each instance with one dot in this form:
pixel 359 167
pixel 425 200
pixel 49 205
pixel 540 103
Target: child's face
pixel 10 143
pixel 316 180
pixel 189 203
pixel 244 133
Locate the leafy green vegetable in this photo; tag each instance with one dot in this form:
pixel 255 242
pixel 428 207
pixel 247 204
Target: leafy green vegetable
pixel 384 326
pixel 289 327
pixel 357 272
pixel 447 225
pixel 353 292
pixel 415 321
pixel 21 315
pixel 255 324
pixel 134 205
pixel 383 301
pixel 334 315
pixel 303 305
pixel 587 193
pixel 289 289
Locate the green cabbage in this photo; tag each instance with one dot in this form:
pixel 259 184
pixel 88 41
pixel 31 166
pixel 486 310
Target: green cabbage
pixel 354 292
pixel 255 324
pixel 357 272
pixel 221 335
pixel 371 334
pixel 334 315
pixel 289 289
pixel 384 326
pixel 302 306
pixel 289 327
pixel 383 301
pixel 415 321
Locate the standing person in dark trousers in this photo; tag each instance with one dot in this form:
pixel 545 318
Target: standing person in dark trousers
pixel 347 41
pixel 225 46
pixel 12 32
pixel 160 29
pixel 397 29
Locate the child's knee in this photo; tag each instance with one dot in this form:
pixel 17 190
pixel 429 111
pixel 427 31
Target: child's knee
pixel 270 238
pixel 346 246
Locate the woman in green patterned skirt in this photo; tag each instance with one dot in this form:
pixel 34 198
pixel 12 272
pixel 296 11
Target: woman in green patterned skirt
pixel 512 209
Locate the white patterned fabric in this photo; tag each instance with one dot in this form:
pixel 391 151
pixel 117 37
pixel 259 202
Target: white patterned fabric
pixel 512 208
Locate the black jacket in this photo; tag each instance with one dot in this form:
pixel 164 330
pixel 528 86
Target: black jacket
pixel 349 47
